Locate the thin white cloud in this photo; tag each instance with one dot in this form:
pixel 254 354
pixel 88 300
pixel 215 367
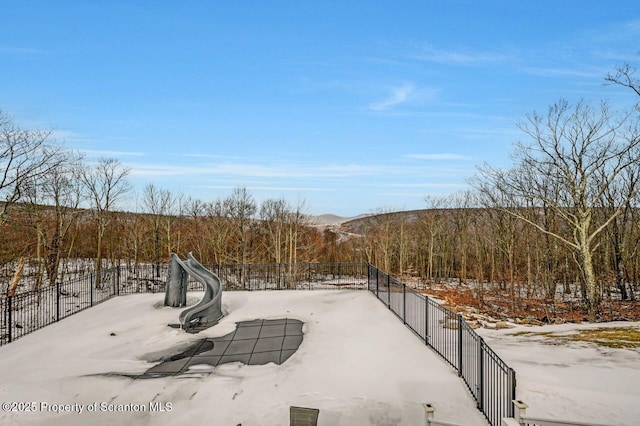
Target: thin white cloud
pixel 618 33
pixel 63 134
pixel 275 170
pixel 289 170
pixel 69 136
pixel 439 185
pixel 398 95
pixel 564 72
pixel 352 169
pixel 429 53
pixel 106 153
pixel 210 156
pixel 439 157
pixel 261 171
pixel 155 170
pixel 633 26
pixel 18 50
pixel 268 188
pixel 618 55
pixel 403 94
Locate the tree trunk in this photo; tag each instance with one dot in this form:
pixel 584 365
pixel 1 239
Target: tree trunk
pixel 98 277
pixel 593 297
pixel 16 277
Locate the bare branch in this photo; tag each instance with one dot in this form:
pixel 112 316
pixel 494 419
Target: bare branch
pixel 624 76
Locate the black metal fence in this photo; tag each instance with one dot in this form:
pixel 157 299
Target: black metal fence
pixel 26 312
pixel 491 381
pixel 293 276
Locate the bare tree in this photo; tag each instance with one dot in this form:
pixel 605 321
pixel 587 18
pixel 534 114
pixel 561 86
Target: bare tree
pixel 274 213
pixel 620 228
pixel 174 223
pixel 134 228
pixel 381 236
pixel 24 155
pixel 282 226
pixel 581 152
pixel 462 205
pixel 63 188
pixel 433 224
pixel 297 220
pixel 52 202
pixel 219 226
pixel 158 203
pixel 624 76
pixel 106 183
pixel 242 208
pixel 194 212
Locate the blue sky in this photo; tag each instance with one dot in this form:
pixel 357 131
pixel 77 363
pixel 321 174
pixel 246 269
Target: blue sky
pixel 350 107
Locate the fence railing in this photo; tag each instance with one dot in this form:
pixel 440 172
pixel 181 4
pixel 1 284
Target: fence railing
pixel 26 312
pixel 293 276
pixel 490 380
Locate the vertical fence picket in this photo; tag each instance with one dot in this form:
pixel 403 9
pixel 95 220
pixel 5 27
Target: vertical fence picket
pixel 57 302
pixel 9 319
pixel 460 321
pixel 426 320
pixel 389 291
pixel 512 389
pixel 481 374
pixel 377 284
pixel 404 304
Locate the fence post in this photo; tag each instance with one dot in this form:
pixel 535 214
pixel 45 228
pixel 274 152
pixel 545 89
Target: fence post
pixel 480 373
pixel 426 320
pixel 57 301
pixel 520 413
pixel 460 320
pixel 309 275
pixel 118 279
pixel 10 317
pixel 404 303
pixel 91 288
pixel 377 285
pixel 389 291
pixel 512 386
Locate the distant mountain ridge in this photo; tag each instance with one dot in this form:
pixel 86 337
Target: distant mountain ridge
pixel 332 219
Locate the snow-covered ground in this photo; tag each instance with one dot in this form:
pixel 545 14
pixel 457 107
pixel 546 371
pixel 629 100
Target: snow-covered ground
pixel 577 381
pixel 357 363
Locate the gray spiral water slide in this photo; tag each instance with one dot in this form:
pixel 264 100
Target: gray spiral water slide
pixel 209 309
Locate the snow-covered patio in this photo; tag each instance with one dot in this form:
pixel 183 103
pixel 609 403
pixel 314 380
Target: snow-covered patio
pixel 357 363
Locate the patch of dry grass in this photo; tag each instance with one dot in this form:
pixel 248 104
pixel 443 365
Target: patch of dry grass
pixel 615 337
pixel 610 337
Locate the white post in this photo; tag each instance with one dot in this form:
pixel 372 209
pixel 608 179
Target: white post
pixel 429 411
pixel 520 410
